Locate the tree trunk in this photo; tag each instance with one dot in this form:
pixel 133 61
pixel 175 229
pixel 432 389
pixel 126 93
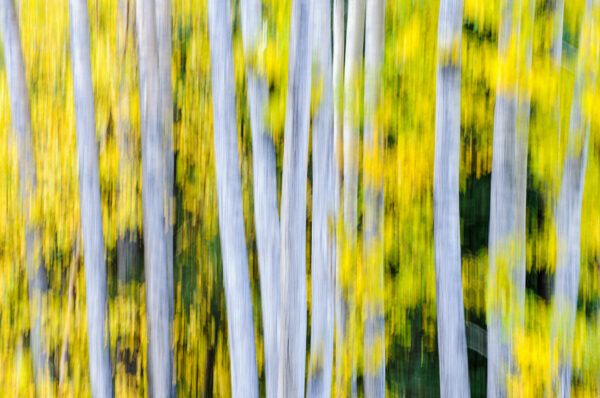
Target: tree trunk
pixel 568 214
pixel 37 282
pixel 452 346
pixel 266 208
pixel 158 292
pixel 292 321
pixel 338 96
pixel 507 278
pixel 374 151
pixel 164 35
pixel 127 247
pixel 522 136
pixel 91 206
pixel 244 380
pixel 556 9
pixel 352 75
pixel 323 238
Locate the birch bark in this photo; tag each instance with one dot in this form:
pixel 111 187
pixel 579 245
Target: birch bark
pixel 323 237
pixel 266 207
pixel 158 291
pixel 244 379
pixel 292 320
pixel 454 372
pixel 568 213
pixel 90 203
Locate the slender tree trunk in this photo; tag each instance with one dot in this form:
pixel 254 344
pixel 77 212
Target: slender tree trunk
pixel 163 34
pixel 522 136
pixel 352 74
pixel 452 345
pixel 557 9
pixel 292 320
pixel 37 282
pixel 158 291
pixel 373 144
pixel 338 88
pixel 506 276
pixel 568 214
pixel 323 238
pixel 244 380
pixel 266 208
pixel 127 247
pixel 91 206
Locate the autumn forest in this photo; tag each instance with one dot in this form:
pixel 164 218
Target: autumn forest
pixel 290 198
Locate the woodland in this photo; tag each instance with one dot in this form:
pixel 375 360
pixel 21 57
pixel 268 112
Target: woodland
pixel 291 198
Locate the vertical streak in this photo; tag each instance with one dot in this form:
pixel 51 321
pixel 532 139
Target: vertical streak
pixel 37 282
pixel 454 374
pixel 91 206
pixel 266 208
pixel 244 380
pixel 373 305
pixel 158 292
pixel 323 238
pixel 568 212
pixel 292 320
pixel 355 34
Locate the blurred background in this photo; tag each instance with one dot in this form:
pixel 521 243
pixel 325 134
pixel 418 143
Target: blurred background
pixel 408 76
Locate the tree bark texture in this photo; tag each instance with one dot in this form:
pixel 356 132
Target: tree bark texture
pixel 568 212
pixel 323 237
pixel 90 203
pixel 292 320
pixel 244 379
pixel 452 345
pixel 506 275
pixel 158 292
pixel 266 207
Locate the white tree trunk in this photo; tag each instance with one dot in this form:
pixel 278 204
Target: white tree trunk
pixel 126 240
pixel 266 208
pixel 352 73
pixel 568 214
pixel 522 136
pixel 373 144
pixel 91 206
pixel 557 8
pixel 164 36
pixel 292 320
pixel 504 315
pixel 338 95
pixel 452 345
pixel 244 379
pixel 163 32
pixel 37 282
pixel 158 291
pixel 323 238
